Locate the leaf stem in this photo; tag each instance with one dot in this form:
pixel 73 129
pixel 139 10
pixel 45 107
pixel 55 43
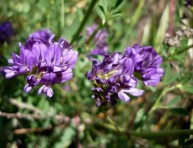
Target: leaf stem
pixel 157 103
pixel 161 134
pixel 62 15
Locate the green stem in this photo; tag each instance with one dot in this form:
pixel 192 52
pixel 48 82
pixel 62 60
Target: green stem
pixel 183 50
pixel 88 12
pixel 137 14
pixel 62 15
pixel 157 102
pixel 161 134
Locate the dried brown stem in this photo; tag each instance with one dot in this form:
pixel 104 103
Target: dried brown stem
pixel 37 130
pixel 20 116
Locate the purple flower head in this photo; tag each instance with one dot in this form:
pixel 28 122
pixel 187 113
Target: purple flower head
pixel 146 62
pixel 100 37
pixel 43 61
pixel 44 34
pixel 6 31
pixel 113 78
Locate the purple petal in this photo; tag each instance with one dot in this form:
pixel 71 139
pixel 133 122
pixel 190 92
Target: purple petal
pixel 69 57
pixel 39 51
pixel 10 75
pixel 15 57
pixel 48 78
pixel 151 82
pixel 64 76
pixel 47 90
pixel 123 96
pixel 133 91
pixel 53 55
pixel 27 88
pixel 43 34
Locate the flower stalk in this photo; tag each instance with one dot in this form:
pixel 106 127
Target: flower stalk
pixel 88 12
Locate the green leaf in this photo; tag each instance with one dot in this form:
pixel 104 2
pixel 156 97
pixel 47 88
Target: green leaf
pixel 104 4
pixel 169 76
pixel 179 111
pixel 118 3
pixel 188 89
pixel 117 14
pixel 139 118
pixel 101 12
pixel 174 101
pixel 66 138
pixel 101 9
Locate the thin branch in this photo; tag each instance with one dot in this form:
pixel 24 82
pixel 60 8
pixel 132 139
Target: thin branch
pixel 25 106
pixel 59 118
pixel 37 130
pixel 20 116
pixel 88 12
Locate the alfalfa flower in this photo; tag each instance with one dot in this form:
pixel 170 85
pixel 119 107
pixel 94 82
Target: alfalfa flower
pixel 44 61
pixel 100 40
pixel 146 62
pixel 6 31
pixel 113 78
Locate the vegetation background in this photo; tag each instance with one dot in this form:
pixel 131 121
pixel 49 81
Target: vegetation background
pixel 162 117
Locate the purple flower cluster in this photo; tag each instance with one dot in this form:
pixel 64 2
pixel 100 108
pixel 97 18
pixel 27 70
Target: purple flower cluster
pixel 114 77
pixel 44 61
pixel 101 47
pixel 6 31
pixel 146 62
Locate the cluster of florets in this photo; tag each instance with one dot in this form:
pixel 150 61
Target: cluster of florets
pixel 114 77
pixel 6 31
pixel 99 38
pixel 44 61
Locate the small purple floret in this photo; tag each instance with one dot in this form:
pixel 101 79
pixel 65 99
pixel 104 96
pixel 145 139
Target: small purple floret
pixel 100 38
pixel 146 62
pixel 6 31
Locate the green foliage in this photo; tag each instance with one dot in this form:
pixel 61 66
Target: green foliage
pixel 169 77
pixel 66 138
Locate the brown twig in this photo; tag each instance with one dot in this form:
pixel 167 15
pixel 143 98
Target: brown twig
pixel 19 115
pixel 24 106
pixel 37 130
